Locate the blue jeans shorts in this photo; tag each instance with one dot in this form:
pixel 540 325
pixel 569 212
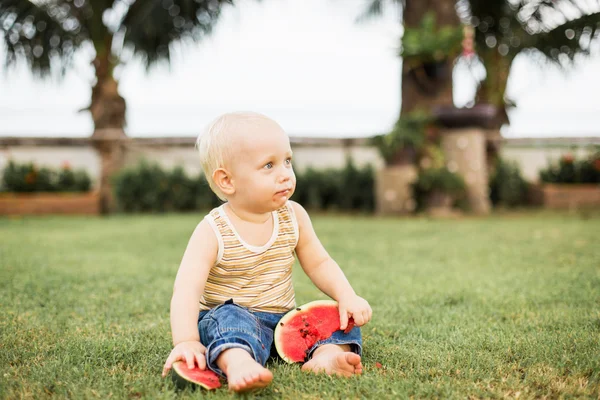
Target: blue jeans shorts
pixel 230 325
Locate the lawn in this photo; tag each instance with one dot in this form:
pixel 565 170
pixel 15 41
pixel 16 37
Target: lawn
pixel 506 306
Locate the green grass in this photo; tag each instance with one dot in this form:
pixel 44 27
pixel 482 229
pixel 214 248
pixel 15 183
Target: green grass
pixel 506 306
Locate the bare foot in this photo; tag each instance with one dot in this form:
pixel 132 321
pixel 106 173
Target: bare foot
pixel 334 360
pixel 243 373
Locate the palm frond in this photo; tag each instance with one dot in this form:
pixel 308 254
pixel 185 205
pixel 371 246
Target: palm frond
pixel 373 9
pixel 569 39
pixel 376 8
pixel 553 27
pixel 496 26
pixel 150 27
pixel 44 35
pixel 548 14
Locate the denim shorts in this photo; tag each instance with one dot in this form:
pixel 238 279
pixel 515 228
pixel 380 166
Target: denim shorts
pixel 230 325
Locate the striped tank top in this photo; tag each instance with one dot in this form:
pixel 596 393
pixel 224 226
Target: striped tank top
pixel 256 277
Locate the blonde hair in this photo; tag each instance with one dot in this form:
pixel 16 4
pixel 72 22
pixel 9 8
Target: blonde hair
pixel 216 142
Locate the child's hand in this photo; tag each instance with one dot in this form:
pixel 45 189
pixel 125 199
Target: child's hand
pixel 191 352
pixel 355 307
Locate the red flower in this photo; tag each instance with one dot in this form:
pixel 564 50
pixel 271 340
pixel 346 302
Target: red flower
pixel 568 158
pixel 597 164
pixel 30 178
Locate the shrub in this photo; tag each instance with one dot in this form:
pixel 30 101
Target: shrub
pixel 508 188
pixel 318 190
pixel 148 188
pixel 358 188
pixel 349 188
pixel 28 177
pixel 441 179
pixel 408 133
pixel 570 170
pixel 83 182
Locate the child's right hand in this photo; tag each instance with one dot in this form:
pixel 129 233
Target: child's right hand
pixel 192 352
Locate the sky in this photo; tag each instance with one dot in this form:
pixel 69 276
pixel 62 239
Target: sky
pixel 305 63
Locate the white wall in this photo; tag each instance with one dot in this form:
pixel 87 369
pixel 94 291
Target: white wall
pixel 530 159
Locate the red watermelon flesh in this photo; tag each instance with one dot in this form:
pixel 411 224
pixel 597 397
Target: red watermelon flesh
pixel 203 377
pixel 299 330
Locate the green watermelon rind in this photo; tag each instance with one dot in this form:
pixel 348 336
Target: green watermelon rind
pixel 181 380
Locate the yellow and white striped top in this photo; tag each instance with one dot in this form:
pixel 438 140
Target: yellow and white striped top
pixel 256 277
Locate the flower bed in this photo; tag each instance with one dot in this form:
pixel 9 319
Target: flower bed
pixel 30 190
pixel 570 184
pixel 567 196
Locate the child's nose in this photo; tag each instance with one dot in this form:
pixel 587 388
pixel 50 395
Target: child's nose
pixel 286 175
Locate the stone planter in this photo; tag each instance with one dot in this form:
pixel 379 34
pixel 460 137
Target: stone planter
pixel 439 204
pixel 49 203
pixel 465 154
pixel 466 145
pixel 438 199
pixel 566 196
pixel 393 190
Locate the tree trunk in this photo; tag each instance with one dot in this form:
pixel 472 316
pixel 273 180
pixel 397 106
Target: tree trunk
pixel 395 193
pixel 108 112
pixel 492 91
pixel 414 95
pixel 493 88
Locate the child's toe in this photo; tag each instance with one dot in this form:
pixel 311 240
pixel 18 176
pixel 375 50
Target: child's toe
pixel 352 359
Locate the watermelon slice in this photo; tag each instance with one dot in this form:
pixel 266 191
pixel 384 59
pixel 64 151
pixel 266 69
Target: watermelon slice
pixel 299 330
pixel 204 378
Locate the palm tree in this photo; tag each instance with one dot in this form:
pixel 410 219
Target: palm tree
pixel 46 34
pixel 559 30
pixel 503 29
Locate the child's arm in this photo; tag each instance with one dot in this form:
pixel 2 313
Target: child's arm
pixel 199 257
pixel 326 274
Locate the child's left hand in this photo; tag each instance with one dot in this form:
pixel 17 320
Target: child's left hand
pixel 356 307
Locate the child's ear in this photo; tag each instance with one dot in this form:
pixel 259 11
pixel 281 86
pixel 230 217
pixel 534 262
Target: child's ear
pixel 222 179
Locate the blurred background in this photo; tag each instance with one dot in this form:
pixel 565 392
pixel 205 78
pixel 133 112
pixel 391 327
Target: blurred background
pixel 392 106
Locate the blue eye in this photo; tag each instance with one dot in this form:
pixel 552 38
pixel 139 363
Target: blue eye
pixel 288 161
pixel 269 165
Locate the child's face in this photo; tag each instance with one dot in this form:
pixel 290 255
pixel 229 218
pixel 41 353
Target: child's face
pixel 262 172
